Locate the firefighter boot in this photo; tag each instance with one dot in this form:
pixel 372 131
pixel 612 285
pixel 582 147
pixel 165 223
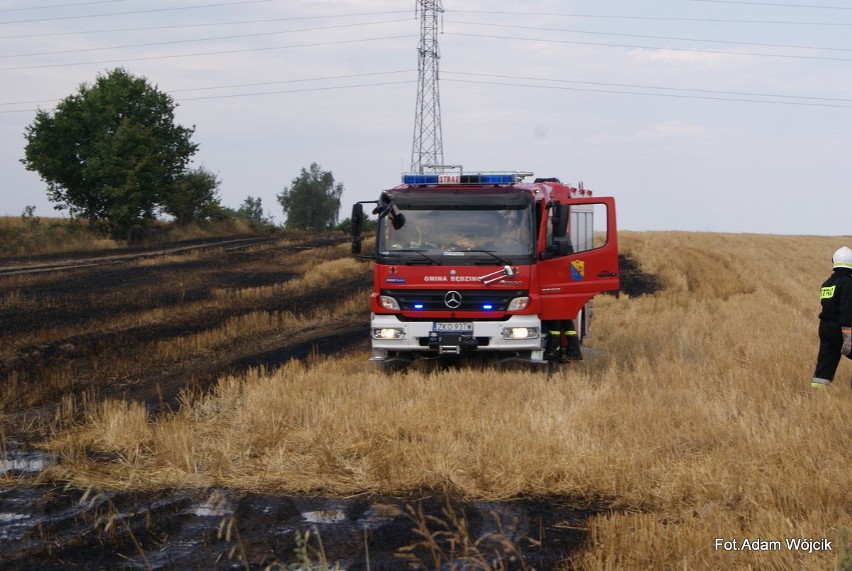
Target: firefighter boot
pixel 552 348
pixel 572 350
pixel 572 343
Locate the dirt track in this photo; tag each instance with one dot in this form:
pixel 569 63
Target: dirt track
pixel 63 262
pixel 63 319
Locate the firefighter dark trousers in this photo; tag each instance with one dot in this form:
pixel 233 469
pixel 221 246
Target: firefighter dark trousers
pixel 830 342
pixel 562 341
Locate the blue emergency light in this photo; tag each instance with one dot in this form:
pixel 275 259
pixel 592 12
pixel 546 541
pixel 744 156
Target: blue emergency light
pixel 504 178
pixel 419 179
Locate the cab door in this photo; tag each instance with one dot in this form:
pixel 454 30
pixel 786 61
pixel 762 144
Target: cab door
pixel 589 265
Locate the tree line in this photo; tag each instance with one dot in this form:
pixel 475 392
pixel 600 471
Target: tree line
pixel 112 154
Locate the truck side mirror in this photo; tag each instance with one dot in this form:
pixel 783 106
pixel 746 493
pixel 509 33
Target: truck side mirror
pixel 560 242
pixel 357 219
pixel 397 218
pixel 357 224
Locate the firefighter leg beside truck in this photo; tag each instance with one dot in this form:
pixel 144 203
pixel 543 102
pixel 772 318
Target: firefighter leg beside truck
pixel 563 342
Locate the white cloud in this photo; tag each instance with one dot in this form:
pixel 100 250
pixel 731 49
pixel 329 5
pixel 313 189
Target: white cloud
pixel 685 58
pixel 669 131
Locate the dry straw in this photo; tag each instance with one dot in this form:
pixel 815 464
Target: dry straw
pixel 691 418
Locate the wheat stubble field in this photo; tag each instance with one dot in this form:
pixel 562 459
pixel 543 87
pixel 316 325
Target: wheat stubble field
pixel 690 420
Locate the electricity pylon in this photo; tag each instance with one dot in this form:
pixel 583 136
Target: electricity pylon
pixel 427 148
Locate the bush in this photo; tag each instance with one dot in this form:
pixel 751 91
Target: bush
pixel 30 235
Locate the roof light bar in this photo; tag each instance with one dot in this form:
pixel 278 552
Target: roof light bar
pixel 464 178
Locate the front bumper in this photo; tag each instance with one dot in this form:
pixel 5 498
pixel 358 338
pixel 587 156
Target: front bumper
pixel 391 336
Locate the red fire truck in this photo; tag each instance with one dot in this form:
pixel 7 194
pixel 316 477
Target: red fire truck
pixel 485 262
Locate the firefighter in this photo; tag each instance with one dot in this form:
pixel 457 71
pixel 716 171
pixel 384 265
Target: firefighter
pixel 835 319
pixel 563 344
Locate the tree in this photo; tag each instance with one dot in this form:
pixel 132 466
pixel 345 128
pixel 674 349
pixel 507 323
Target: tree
pixel 194 197
pixel 312 202
pixel 110 152
pixel 251 211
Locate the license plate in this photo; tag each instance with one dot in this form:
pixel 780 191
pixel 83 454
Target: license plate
pixel 454 327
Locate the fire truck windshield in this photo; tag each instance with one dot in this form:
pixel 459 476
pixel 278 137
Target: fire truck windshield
pixel 458 235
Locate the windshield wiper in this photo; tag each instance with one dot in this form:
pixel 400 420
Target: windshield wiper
pixel 492 254
pixel 432 260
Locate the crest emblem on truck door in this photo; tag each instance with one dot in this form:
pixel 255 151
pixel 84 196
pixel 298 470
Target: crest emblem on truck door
pixel 578 270
pixel 453 299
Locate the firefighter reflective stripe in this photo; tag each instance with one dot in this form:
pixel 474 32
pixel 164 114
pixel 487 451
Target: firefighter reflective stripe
pixel 557 332
pixel 827 292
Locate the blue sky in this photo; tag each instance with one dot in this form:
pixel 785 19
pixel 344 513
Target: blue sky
pixel 699 115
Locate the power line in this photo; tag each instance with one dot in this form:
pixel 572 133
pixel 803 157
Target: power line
pixel 200 54
pixel 475 74
pixel 240 85
pixel 681 39
pixel 670 95
pixel 136 12
pixel 389 12
pixel 326 78
pixel 60 5
pixel 204 25
pixel 330 88
pixel 652 18
pixel 776 4
pixel 681 93
pixel 237 95
pixel 662 88
pixel 612 45
pixel 595 86
pixel 601 87
pixel 216 38
pixel 358 24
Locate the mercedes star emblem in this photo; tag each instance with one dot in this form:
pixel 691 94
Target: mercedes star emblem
pixel 453 299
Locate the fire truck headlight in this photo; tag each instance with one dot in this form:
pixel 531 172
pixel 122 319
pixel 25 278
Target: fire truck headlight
pixel 388 333
pixel 388 302
pixel 519 303
pixel 520 332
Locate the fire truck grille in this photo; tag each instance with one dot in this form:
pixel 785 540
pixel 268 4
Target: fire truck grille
pixel 454 299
